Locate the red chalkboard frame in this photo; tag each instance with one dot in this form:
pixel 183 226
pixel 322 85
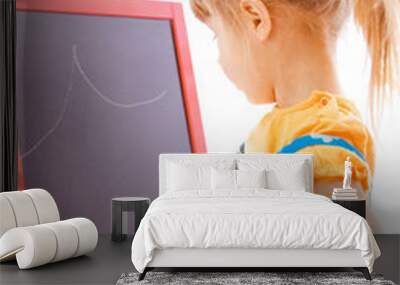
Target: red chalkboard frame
pixel 147 10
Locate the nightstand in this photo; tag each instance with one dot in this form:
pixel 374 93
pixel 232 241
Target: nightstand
pixel 138 205
pixel 357 206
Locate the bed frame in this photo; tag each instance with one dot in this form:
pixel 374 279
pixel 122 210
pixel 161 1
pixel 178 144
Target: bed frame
pixel 260 259
pixel 247 259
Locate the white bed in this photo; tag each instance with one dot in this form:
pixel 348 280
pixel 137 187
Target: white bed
pixel 249 227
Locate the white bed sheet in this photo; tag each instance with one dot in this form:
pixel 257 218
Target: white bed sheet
pixel 250 218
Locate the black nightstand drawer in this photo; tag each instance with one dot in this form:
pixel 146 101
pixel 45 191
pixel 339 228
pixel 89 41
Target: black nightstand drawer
pixel 358 206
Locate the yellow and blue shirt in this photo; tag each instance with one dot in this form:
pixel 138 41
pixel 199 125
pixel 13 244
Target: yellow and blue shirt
pixel 325 125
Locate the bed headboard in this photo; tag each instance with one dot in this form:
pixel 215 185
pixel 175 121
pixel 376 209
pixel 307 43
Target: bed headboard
pixel 164 158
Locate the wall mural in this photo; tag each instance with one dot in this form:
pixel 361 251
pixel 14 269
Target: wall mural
pixel 97 105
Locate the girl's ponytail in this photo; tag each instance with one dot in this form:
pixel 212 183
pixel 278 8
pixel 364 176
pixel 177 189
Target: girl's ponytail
pixel 380 23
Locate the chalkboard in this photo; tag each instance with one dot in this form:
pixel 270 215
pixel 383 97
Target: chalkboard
pixel 99 98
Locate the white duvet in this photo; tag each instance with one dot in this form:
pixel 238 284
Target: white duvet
pixel 250 218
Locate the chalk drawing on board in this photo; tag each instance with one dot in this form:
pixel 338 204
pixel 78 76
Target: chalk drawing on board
pixel 59 119
pixel 75 63
pixel 104 97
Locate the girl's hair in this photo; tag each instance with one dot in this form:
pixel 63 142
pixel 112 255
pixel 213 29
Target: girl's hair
pixel 379 21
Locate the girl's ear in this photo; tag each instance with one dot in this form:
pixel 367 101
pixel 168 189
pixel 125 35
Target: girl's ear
pixel 257 18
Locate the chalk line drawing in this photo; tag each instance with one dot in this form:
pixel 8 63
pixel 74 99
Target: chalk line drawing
pixel 104 97
pixel 59 119
pixel 75 63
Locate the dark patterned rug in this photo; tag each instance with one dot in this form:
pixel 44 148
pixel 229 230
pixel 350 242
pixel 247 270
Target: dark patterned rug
pixel 269 278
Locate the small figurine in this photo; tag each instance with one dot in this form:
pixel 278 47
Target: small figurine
pixel 347 174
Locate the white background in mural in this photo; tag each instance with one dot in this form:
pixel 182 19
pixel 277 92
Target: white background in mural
pixel 228 117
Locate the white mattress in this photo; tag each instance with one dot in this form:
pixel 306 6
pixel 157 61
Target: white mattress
pixel 250 219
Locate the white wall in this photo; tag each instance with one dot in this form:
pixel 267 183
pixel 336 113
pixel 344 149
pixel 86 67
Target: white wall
pixel 384 204
pixel 228 117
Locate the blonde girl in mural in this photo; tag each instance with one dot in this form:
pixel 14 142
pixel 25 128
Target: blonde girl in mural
pixel 282 51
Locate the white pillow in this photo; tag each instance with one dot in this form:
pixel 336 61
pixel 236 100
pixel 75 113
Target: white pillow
pixel 287 179
pixel 251 178
pixel 237 179
pixel 281 174
pixel 188 177
pixel 223 179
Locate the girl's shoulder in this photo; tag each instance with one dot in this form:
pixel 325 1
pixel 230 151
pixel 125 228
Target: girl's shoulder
pixel 320 105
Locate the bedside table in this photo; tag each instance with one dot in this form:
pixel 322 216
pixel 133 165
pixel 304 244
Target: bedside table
pixel 357 206
pixel 138 205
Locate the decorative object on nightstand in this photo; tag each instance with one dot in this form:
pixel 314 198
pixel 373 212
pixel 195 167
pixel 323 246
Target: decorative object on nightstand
pixel 357 206
pixel 347 196
pixel 347 192
pixel 137 205
pixel 347 174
